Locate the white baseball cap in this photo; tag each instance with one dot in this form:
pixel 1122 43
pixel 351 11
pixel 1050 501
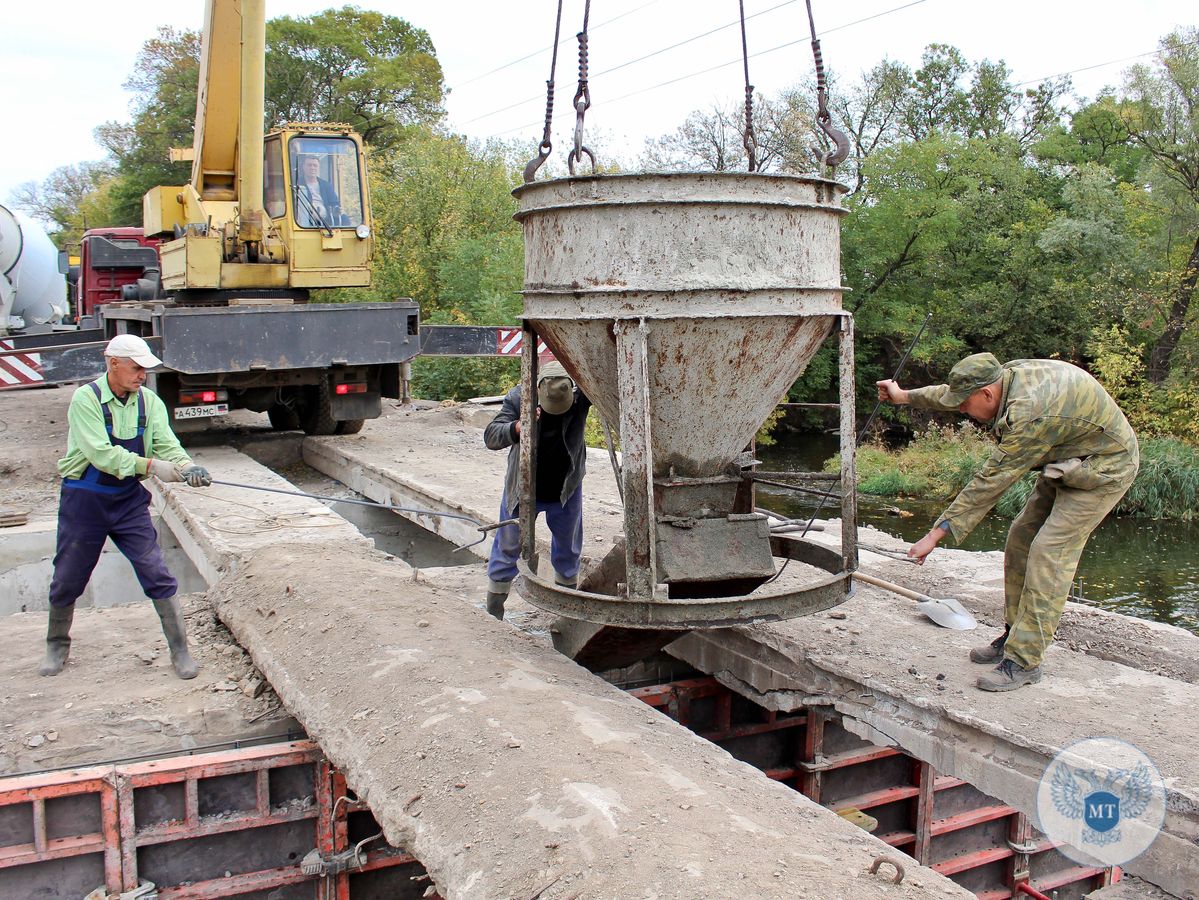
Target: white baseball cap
pixel 130 346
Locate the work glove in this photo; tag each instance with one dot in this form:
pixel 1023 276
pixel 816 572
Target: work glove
pixel 196 476
pixel 163 470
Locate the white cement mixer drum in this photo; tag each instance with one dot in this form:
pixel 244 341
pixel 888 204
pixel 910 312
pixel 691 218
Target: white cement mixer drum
pixel 29 263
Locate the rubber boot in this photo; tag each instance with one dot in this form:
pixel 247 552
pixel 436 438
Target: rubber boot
pixel 497 593
pixel 175 630
pixel 993 652
pixel 58 639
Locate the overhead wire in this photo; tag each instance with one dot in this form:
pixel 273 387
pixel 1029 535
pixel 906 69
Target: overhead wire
pixel 700 72
pixel 1110 62
pixel 642 58
pixel 787 45
pixel 529 56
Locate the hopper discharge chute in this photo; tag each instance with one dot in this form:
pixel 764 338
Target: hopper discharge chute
pixel 685 305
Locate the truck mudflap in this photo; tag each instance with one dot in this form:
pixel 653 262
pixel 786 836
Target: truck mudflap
pixel 212 340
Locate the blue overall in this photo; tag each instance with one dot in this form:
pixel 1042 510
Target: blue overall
pixel 566 539
pixel 97 506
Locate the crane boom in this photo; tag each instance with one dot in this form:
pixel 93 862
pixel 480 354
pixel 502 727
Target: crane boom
pixel 284 212
pixel 227 150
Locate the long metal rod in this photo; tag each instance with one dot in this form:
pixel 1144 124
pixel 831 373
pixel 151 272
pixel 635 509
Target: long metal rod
pixel 482 526
pixel 392 506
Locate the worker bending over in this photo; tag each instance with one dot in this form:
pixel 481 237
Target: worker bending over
pixel 118 434
pixel 1049 416
pixel 561 462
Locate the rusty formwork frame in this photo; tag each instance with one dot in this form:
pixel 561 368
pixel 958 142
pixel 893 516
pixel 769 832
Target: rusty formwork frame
pixel 644 603
pixel 121 836
pixel 808 771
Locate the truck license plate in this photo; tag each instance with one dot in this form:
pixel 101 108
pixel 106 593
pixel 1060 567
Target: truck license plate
pixel 201 412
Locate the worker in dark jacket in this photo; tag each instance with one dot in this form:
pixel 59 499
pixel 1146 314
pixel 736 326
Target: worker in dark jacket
pixel 1048 416
pixel 561 462
pixel 118 434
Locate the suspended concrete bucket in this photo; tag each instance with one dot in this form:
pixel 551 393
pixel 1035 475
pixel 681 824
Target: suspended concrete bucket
pixel 685 306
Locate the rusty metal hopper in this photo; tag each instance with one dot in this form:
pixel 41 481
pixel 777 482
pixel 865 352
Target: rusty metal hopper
pixel 685 305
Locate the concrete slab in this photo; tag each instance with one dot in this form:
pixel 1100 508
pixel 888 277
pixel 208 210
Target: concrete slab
pixel 508 770
pixel 26 566
pixel 901 681
pixel 218 526
pixel 1132 889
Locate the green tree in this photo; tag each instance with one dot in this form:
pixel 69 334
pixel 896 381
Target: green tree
pixel 1162 116
pixel 376 72
pixel 164 83
pixel 445 237
pixel 71 200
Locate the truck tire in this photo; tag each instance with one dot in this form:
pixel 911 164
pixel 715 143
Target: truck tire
pixel 283 418
pixel 350 426
pixel 317 415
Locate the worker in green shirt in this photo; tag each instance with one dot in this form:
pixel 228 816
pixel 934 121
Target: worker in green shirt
pixel 1052 417
pixel 118 435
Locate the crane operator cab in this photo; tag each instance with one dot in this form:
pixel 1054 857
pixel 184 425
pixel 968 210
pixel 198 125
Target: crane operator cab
pixel 315 195
pixel 325 181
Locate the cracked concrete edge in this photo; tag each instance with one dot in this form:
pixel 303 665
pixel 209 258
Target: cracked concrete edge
pixel 989 758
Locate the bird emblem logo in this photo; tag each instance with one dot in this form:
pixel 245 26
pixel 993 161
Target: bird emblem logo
pixel 1103 800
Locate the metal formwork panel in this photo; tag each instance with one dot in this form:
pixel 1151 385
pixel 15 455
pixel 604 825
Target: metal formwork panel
pixel 207 826
pixel 939 820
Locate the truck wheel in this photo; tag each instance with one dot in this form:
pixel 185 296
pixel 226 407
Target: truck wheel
pixel 317 417
pixel 283 418
pixel 350 426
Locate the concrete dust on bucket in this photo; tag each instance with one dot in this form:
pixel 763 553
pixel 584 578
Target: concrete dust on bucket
pixel 659 293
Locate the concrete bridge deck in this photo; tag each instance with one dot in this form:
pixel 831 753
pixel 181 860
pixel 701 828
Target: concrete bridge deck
pixel 902 680
pixel 506 769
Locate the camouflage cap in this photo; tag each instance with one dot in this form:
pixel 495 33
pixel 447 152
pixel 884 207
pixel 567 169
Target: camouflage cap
pixel 555 389
pixel 973 372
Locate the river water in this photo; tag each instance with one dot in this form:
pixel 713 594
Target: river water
pixel 1140 567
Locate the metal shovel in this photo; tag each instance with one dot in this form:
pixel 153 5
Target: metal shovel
pixel 946 613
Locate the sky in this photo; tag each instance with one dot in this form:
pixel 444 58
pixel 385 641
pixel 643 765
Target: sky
pixel 63 62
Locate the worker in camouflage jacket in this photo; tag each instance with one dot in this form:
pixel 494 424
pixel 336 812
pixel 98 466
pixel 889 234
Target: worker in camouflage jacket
pixel 1048 416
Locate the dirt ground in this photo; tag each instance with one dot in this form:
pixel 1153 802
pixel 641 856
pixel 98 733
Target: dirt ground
pixel 118 697
pixel 33 437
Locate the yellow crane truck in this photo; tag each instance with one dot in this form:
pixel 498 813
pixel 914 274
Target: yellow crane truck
pixel 263 221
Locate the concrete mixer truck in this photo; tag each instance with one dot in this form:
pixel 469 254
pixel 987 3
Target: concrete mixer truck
pixel 33 287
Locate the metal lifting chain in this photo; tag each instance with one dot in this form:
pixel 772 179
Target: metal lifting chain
pixel 582 100
pixel 546 145
pixel 750 140
pixel 840 151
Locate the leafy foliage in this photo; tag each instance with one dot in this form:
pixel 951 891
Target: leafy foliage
pixel 940 461
pixel 373 71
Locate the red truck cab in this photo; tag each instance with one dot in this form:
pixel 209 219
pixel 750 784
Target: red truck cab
pixel 109 259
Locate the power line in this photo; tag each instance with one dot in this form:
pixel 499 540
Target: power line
pixel 1110 62
pixel 838 28
pixel 717 67
pixel 496 112
pixel 565 40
